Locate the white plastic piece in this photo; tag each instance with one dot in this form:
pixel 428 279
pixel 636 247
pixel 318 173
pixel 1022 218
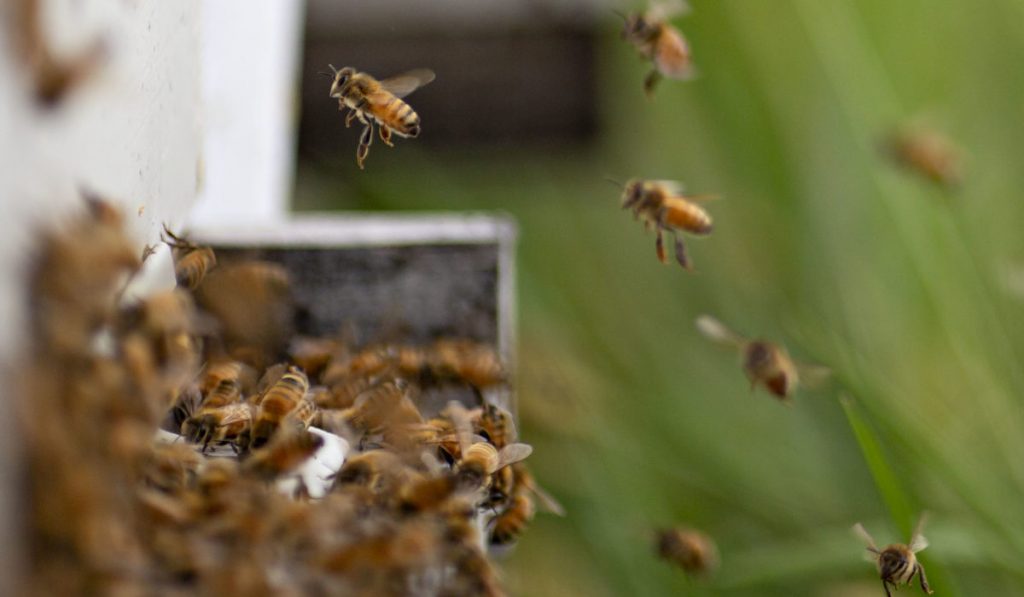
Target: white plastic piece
pixel 316 475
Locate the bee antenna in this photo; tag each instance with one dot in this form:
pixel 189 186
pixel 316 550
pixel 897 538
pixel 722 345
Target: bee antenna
pixel 620 14
pixel 614 182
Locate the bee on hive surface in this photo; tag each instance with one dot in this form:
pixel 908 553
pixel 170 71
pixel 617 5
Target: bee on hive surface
pixel 278 403
pixel 691 550
pixel 373 101
pixel 191 262
pixel 478 458
pixel 288 449
pixel 897 563
pixel 659 41
pixel 661 204
pixel 928 153
pixel 764 362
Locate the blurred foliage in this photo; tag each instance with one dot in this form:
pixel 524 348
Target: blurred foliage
pixel 899 286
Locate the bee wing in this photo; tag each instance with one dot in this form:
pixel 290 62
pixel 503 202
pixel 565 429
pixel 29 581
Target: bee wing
pixel 513 453
pixel 463 427
pixel 917 540
pixel 672 187
pixel 236 412
pixel 862 533
pixel 547 501
pixel 702 197
pixel 813 376
pixel 717 331
pixel 405 83
pixel 666 9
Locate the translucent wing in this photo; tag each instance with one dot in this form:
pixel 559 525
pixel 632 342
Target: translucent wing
pixel 917 540
pixel 672 187
pixel 513 453
pixel 702 197
pixel 405 83
pixel 717 331
pixel 813 376
pixel 666 9
pixel 547 501
pixel 862 533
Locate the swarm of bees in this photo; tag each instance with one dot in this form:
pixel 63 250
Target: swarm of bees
pixel 897 563
pixel 414 509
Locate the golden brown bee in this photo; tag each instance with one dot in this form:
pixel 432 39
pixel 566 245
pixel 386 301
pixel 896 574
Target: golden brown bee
pixel 691 550
pixel 510 524
pixel 928 153
pixel 897 563
pixel 465 360
pixel 277 403
pixel 657 40
pixel 662 205
pixel 381 406
pixel 225 419
pixel 289 448
pixel 191 262
pixel 373 101
pixel 764 362
pixel 53 77
pixel 479 459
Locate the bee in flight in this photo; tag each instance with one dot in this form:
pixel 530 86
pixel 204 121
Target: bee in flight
pixel 927 153
pixel 378 102
pixel 691 550
pixel 662 205
pixel 897 563
pixel 659 41
pixel 764 362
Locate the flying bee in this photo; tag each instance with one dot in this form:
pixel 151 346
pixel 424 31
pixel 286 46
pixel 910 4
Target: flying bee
pixel 191 262
pixel 288 449
pixel 691 550
pixel 373 101
pixel 928 153
pixel 277 403
pixel 897 563
pixel 662 205
pixel 478 458
pixel 659 41
pixel 764 362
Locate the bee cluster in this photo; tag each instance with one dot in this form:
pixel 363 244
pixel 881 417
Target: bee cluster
pixel 116 506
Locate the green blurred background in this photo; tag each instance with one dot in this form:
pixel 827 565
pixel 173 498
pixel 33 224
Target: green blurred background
pixel 904 289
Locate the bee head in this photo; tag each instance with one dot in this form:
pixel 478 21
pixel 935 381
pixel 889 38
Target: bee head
pixel 341 77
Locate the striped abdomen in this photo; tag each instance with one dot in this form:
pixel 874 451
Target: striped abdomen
pixel 395 114
pixel 280 400
pixel 681 214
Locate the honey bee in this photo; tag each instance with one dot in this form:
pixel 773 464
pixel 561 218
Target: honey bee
pixel 476 364
pixel 764 362
pixel 928 153
pixel 191 262
pixel 373 101
pixel 691 550
pixel 657 40
pixel 277 403
pixel 53 77
pixel 510 524
pixel 222 417
pixel 478 458
pixel 288 449
pixel 897 563
pixel 662 205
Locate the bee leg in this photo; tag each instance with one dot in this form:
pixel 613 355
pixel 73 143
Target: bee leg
pixel 923 579
pixel 385 134
pixel 885 585
pixel 659 247
pixel 681 253
pixel 650 81
pixel 350 117
pixel 364 144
